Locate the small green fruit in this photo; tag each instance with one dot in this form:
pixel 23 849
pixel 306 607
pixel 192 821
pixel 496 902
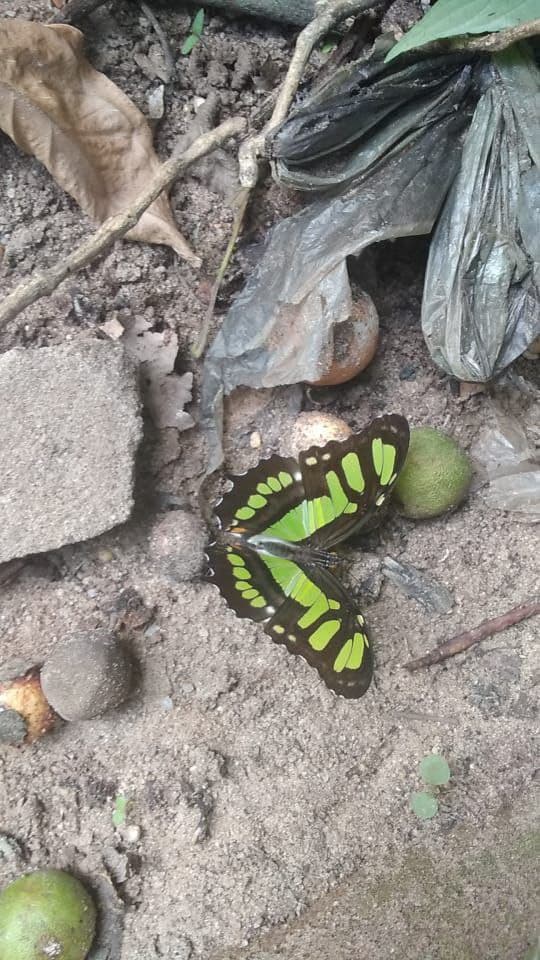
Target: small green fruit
pixel 46 915
pixel 436 476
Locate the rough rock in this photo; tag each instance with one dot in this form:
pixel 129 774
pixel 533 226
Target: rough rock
pixel 176 544
pixel 87 675
pixel 69 430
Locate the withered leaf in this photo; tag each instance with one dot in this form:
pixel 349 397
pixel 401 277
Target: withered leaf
pixel 81 126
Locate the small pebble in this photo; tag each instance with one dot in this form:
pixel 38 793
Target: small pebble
pixel 104 555
pixel 87 675
pixel 255 440
pixel 315 428
pixel 12 727
pixel 177 545
pixel 132 833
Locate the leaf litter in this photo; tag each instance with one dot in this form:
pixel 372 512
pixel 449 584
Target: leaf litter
pixel 88 134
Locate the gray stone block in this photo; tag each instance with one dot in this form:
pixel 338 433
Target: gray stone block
pixel 70 425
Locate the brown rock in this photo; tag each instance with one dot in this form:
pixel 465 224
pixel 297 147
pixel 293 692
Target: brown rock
pixel 87 675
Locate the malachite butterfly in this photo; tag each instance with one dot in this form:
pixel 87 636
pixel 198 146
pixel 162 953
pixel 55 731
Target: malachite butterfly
pixel 278 526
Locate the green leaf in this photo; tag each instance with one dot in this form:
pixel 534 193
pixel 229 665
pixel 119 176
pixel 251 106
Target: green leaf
pixel 454 18
pixel 328 46
pixel 424 805
pixel 188 44
pixel 120 810
pixel 198 23
pixel 434 770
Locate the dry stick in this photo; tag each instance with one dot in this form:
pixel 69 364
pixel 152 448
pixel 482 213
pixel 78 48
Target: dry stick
pixel 44 282
pixel 241 204
pixel 252 148
pixel 500 40
pixel 76 10
pixel 162 37
pixel 465 640
pixel 333 13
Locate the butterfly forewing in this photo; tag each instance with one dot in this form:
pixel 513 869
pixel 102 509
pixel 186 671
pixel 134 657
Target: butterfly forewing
pixel 347 482
pixel 261 496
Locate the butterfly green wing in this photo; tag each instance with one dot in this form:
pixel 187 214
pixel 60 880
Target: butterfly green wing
pixel 320 622
pixel 261 495
pixel 303 607
pixel 243 580
pixel 345 484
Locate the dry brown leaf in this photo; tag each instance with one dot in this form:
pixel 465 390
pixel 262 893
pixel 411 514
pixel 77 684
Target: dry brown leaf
pixel 84 129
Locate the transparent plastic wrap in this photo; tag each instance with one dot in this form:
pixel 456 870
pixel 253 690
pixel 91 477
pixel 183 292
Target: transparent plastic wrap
pixel 511 466
pixel 481 304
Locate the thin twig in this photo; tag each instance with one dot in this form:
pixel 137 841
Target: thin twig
pixel 76 10
pixel 465 640
pixel 44 282
pixel 162 37
pixel 333 13
pixel 501 39
pixel 241 206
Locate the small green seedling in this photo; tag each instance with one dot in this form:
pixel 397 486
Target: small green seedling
pixel 534 952
pixel 435 773
pixel 328 46
pixel 195 33
pixel 119 815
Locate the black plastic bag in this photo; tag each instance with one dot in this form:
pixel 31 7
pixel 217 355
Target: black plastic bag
pixel 278 327
pixel 481 304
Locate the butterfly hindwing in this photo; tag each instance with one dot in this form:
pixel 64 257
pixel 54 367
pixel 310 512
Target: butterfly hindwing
pixel 301 606
pixel 243 580
pixel 319 622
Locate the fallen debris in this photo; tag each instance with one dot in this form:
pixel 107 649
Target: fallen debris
pixel 433 596
pixel 45 282
pixel 463 641
pixel 55 106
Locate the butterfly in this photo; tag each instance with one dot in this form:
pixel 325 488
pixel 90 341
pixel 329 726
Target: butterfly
pixel 278 527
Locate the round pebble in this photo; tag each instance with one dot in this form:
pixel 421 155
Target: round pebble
pixel 12 727
pixel 177 544
pixel 87 675
pixel 315 428
pixel 354 344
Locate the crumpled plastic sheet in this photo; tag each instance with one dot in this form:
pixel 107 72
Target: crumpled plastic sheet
pixel 511 466
pixel 481 304
pixel 433 596
pixel 365 110
pixel 280 325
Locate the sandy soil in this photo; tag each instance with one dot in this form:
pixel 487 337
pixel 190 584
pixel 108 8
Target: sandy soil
pixel 253 791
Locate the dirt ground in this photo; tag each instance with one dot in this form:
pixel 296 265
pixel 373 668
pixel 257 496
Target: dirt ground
pixel 257 798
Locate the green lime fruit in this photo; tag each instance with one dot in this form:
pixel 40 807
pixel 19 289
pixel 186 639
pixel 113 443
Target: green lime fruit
pixel 46 915
pixel 436 476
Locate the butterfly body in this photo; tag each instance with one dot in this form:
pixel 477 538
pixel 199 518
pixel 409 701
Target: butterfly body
pixel 274 557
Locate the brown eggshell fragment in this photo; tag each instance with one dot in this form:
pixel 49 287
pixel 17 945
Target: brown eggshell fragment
pixel 354 344
pixel 23 694
pixel 314 428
